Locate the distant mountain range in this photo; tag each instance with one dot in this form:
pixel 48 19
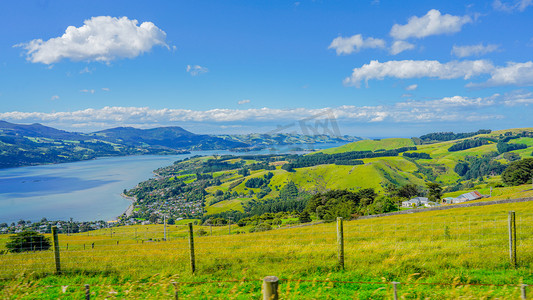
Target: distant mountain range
pixel 22 145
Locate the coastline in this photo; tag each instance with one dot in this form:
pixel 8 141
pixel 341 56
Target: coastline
pixel 129 211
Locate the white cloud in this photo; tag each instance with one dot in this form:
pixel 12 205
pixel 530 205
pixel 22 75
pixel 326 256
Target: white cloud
pixel 354 43
pixel 477 50
pixel 445 109
pixel 54 97
pixel 106 89
pixel 102 39
pixel 400 46
pixel 449 102
pixel 196 70
pixel 520 74
pixel 520 97
pixel 87 91
pixel 244 101
pixel 412 87
pixel 510 6
pixel 433 23
pixel 405 69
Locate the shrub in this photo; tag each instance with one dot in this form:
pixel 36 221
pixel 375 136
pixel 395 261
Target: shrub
pixel 27 241
pixel 261 227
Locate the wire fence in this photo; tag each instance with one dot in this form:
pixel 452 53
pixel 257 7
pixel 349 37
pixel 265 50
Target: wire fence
pixel 409 246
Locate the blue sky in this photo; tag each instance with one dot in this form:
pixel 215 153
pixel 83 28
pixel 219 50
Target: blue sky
pixel 381 68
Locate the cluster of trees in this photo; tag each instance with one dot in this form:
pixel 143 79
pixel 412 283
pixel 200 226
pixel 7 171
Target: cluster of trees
pixel 258 182
pixel 467 144
pixel 449 136
pixel 506 147
pixel 344 158
pixel 417 155
pixel 343 203
pixel 518 172
pixel 474 167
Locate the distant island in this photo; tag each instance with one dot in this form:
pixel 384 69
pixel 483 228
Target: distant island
pixel 35 144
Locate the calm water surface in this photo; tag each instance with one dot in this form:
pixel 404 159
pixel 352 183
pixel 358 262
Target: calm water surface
pixel 85 190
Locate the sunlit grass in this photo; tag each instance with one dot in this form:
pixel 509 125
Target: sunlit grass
pixel 464 245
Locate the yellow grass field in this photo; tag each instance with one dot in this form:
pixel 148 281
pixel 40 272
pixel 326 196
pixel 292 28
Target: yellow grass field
pixel 436 255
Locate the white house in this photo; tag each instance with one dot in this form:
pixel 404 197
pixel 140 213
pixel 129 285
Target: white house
pixel 418 201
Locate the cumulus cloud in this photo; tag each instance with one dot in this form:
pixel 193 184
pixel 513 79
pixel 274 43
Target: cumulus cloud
pixel 354 43
pixel 433 23
pixel 196 70
pixel 244 101
pixel 510 6
pixel 101 38
pixel 405 69
pixel 54 97
pixel 400 46
pixel 473 50
pixel 106 89
pixel 412 87
pixel 520 74
pixel 87 91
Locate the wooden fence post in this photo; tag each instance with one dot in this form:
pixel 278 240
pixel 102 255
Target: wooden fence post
pixel 175 290
pixel 340 242
pixel 191 248
pixel 87 292
pixel 523 292
pixel 270 288
pixel 512 238
pixel 56 249
pixel 395 289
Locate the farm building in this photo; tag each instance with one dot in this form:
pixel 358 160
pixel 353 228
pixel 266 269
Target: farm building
pixel 475 195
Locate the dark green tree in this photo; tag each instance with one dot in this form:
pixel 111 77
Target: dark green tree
pixel 289 191
pixel 305 217
pixel 434 191
pixel 408 191
pixel 27 241
pixel 518 172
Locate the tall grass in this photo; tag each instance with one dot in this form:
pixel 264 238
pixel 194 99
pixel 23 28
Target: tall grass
pixel 457 246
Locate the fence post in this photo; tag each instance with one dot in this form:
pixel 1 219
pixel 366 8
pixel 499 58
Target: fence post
pixel 175 290
pixel 87 292
pixel 395 289
pixel 340 242
pixel 523 291
pixel 56 249
pixel 210 229
pixel 191 247
pixel 270 288
pixel 512 238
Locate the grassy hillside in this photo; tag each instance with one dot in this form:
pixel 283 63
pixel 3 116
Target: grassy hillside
pixel 376 167
pixel 457 253
pixel 371 145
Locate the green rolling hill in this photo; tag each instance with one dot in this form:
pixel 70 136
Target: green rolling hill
pixel 465 164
